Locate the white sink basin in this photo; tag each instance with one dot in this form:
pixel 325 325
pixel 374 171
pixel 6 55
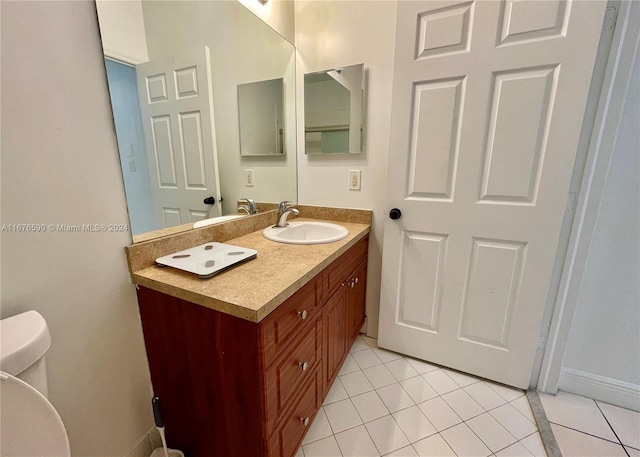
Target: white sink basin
pixel 306 232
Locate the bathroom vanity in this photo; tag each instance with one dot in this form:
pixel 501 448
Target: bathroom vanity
pixel 242 362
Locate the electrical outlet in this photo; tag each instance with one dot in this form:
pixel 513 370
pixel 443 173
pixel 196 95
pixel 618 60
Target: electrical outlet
pixel 354 179
pixel 248 178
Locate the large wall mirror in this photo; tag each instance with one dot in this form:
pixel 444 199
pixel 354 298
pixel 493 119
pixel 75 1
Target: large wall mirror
pixel 192 84
pixel 334 110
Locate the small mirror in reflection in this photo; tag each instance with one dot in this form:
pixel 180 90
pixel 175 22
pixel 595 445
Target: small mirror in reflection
pixel 334 110
pixel 260 110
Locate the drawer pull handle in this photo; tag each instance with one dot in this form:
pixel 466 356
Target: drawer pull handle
pixel 302 314
pixel 303 366
pixel 305 421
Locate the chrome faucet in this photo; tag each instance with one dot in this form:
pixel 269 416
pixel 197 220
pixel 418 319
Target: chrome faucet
pixel 249 208
pixel 283 212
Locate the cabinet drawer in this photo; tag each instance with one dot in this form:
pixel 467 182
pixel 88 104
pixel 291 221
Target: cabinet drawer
pixel 293 368
pixel 342 267
pixel 279 327
pixel 286 439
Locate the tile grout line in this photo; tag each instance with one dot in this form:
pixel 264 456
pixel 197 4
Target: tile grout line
pixel 549 442
pixel 611 427
pixel 591 435
pixel 398 425
pixel 438 432
pixel 472 431
pixel 364 423
pixel 537 432
pixel 481 440
pixel 485 411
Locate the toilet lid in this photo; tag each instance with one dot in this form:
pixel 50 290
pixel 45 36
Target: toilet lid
pixel 29 425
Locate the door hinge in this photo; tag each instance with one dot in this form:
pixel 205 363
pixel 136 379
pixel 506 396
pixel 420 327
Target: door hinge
pixel 610 18
pixel 571 201
pixel 542 341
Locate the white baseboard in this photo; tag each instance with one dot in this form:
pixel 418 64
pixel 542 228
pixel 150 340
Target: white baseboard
pixel 146 444
pixel 372 327
pixel 608 390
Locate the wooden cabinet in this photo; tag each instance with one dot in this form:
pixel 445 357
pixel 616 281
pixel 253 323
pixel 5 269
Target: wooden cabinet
pixel 335 335
pixel 344 311
pixel 234 388
pixel 293 368
pixel 357 284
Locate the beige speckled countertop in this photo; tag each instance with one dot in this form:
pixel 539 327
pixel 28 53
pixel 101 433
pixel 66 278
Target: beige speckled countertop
pixel 253 289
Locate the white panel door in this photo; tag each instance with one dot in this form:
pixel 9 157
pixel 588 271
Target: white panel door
pixel 488 101
pixel 177 113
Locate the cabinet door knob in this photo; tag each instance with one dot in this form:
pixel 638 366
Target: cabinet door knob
pixel 305 421
pixel 356 280
pixel 303 365
pixel 302 314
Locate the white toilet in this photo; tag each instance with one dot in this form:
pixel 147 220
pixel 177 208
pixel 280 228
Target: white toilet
pixel 29 424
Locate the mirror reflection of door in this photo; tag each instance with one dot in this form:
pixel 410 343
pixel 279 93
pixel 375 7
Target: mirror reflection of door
pixel 333 110
pixel 166 140
pixel 243 48
pixel 177 117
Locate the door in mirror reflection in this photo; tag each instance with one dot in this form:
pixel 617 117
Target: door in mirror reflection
pixel 334 110
pixel 177 117
pixel 242 49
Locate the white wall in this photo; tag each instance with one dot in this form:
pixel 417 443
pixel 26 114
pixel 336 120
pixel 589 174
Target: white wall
pixel 602 359
pixel 122 30
pixel 60 166
pixel 279 14
pixel 330 34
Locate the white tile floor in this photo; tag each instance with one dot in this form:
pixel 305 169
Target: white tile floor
pixel 385 404
pixel 585 427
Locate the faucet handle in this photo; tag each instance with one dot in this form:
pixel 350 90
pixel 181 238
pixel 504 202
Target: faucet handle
pixel 283 205
pixel 250 204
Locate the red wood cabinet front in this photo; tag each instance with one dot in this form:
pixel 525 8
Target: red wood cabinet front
pixel 233 388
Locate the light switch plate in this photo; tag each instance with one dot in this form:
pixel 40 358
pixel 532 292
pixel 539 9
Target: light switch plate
pixel 354 179
pixel 248 178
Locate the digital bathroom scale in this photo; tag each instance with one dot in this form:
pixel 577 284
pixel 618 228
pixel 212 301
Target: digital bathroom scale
pixel 208 259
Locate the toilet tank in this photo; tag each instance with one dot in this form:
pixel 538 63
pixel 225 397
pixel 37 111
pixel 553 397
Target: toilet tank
pixel 24 340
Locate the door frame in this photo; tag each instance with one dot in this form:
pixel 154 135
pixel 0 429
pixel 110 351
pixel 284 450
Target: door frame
pixel 610 84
